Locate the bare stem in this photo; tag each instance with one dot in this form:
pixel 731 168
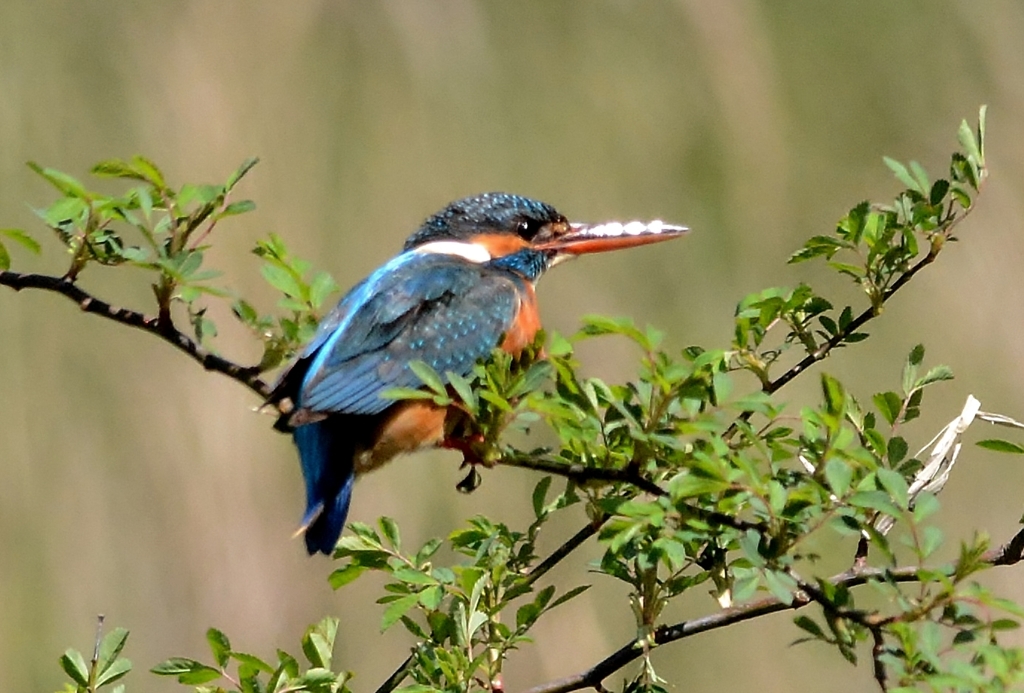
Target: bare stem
pixel 248 376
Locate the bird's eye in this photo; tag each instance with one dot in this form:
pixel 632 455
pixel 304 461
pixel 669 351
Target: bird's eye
pixel 526 228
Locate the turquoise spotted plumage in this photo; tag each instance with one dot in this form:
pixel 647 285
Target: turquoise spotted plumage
pixel 462 286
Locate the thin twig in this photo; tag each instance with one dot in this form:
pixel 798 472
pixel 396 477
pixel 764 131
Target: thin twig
pixel 1009 553
pixel 869 313
pixel 572 543
pixel 582 474
pixel 877 650
pixel 246 375
pixel 399 674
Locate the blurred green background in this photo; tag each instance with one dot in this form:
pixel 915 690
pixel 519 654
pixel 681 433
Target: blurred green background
pixel 135 485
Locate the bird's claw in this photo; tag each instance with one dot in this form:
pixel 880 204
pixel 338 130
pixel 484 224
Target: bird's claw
pixel 470 449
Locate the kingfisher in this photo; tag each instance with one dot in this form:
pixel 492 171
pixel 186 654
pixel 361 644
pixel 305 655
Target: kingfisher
pixel 463 285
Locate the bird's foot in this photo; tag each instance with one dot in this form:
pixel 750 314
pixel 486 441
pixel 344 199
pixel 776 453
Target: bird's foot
pixel 469 446
pixel 471 457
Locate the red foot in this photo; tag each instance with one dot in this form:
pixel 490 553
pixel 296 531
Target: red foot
pixel 467 446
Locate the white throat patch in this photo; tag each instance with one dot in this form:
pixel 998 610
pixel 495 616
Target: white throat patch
pixel 469 251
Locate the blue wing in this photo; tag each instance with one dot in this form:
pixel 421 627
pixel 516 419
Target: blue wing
pixel 443 310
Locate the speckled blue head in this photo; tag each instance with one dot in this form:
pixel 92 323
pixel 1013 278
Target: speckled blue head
pixel 489 213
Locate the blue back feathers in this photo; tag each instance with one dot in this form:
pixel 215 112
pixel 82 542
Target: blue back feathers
pixel 441 309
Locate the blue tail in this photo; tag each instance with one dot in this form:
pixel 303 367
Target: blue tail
pixel 326 450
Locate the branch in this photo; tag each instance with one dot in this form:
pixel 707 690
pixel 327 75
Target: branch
pixel 248 376
pixel 399 674
pixel 821 352
pixel 869 313
pixel 1009 553
pixel 571 544
pixel 582 474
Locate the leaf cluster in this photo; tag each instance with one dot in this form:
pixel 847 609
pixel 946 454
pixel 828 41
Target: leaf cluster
pixel 694 475
pixel 238 672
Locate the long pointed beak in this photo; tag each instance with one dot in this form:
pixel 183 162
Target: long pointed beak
pixel 599 238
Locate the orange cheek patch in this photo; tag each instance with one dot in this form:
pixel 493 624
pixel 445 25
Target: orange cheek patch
pixel 500 244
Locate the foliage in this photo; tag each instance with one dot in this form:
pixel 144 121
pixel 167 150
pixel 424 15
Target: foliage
pixel 692 476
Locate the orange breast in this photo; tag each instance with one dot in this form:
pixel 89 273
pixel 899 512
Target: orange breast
pixel 407 426
pixel 525 326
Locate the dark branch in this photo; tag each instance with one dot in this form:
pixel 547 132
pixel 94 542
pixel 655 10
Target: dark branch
pixel 1009 553
pixel 246 375
pixel 582 474
pixel 822 351
pixel 571 544
pixel 398 675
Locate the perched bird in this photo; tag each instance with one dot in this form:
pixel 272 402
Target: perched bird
pixel 462 285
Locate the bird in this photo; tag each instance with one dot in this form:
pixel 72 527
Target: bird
pixel 463 285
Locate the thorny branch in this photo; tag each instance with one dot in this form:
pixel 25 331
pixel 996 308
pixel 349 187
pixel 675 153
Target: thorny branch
pixel 248 376
pixel 1009 553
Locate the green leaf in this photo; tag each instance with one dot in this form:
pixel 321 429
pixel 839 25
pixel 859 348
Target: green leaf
pixel 204 194
pixel 429 377
pixel 916 355
pixel 924 185
pixel 938 191
pixel 903 175
pixel 969 142
pixel 111 646
pixel 322 286
pixel 399 393
pixel 931 540
pixel 220 646
pixel 889 405
pixel 390 529
pixel 74 666
pixel 318 646
pixel 115 168
pixel 896 450
pixel 571 594
pixel 5 258
pixel 464 390
pixel 22 239
pixel 835 397
pixel 781 585
pixel 188 671
pixel 246 166
pixel 150 171
pixel 874 500
pixel 397 609
pixel 117 669
pixel 688 485
pixel 253 661
pixel 1000 446
pixel 282 280
pixel 68 185
pixel 540 493
pixel 317 679
pixel 895 485
pixel 239 207
pixel 808 624
pixel 935 375
pixel 431 597
pixel 418 688
pixel 412 576
pixel 839 475
pixel 343 576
